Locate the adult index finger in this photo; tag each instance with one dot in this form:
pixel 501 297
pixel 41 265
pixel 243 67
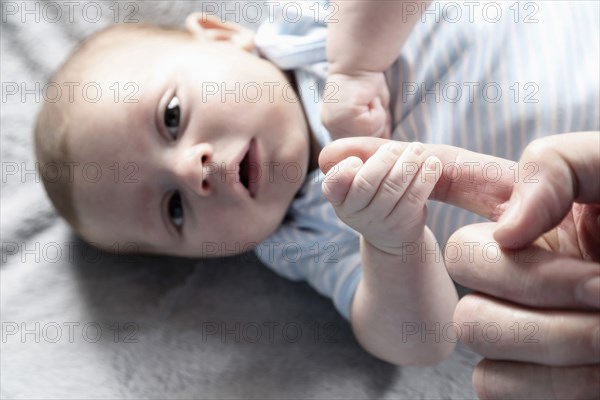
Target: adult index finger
pixel 476 182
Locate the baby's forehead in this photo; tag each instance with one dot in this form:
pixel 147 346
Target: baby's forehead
pixel 138 38
pixel 117 47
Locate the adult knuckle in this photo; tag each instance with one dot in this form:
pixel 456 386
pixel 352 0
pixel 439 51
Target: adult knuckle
pixel 575 340
pixel 557 343
pixel 467 310
pixel 481 379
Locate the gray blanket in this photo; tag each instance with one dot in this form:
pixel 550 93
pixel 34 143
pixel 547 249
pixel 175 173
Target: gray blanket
pixel 80 323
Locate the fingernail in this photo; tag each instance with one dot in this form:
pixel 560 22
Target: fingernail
pixel 394 148
pixel 355 162
pixel 588 292
pixel 431 164
pixel 512 211
pixel 418 148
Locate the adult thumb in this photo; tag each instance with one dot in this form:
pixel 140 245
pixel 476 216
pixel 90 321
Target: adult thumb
pixel 553 172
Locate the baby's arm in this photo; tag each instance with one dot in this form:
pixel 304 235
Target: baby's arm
pixel 405 297
pixel 369 34
pixel 361 45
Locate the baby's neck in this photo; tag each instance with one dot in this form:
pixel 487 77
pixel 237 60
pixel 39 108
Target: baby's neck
pixel 314 145
pixel 314 151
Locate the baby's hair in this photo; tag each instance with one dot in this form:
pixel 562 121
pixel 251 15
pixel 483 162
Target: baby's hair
pixel 52 127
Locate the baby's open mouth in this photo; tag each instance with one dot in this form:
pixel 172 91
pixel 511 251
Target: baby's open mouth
pixel 248 169
pixel 245 170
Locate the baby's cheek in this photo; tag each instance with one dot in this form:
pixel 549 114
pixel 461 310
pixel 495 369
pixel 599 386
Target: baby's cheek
pixel 147 223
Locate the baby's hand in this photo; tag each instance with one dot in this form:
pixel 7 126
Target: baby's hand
pixel 384 198
pixel 356 105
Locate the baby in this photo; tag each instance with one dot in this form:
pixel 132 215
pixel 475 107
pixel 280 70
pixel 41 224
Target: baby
pixel 214 151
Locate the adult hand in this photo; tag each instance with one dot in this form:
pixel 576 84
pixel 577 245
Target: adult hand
pixel 535 318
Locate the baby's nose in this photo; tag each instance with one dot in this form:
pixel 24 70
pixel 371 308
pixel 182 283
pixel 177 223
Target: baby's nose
pixel 194 169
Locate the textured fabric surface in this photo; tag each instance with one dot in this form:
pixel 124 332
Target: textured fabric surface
pixel 78 323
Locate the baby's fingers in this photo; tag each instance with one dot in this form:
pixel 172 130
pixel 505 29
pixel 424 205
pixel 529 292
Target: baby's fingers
pixel 368 179
pixel 420 189
pixel 400 177
pixel 338 180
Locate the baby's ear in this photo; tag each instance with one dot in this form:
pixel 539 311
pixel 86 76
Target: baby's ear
pixel 203 26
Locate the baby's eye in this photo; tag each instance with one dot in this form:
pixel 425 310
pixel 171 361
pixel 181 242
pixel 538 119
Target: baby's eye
pixel 175 209
pixel 172 114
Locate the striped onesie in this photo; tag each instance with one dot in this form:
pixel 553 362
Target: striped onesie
pixel 489 77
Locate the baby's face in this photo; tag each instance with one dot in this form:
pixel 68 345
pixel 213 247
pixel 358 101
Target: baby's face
pixel 185 171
